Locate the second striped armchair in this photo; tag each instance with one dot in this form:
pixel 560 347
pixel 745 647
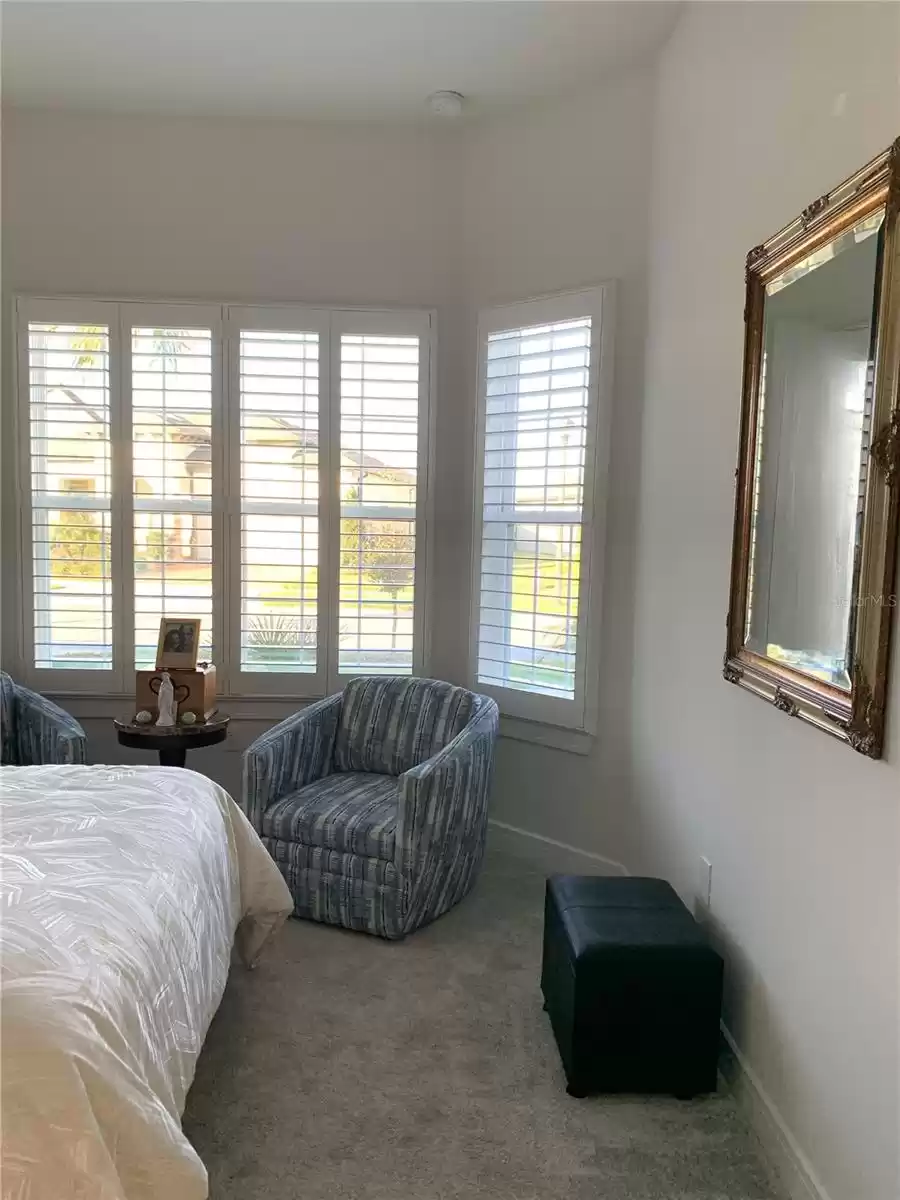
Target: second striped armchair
pixel 374 802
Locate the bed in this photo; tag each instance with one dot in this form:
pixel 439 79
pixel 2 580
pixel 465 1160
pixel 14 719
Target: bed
pixel 124 890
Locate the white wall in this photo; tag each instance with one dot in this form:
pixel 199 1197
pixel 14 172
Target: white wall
pixel 226 209
pixel 557 198
pixel 760 109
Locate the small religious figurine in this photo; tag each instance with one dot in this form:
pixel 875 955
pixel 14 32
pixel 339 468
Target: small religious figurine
pixel 167 712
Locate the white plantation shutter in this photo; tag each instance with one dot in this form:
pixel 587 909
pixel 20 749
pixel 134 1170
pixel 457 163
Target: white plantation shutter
pixel 68 451
pixel 383 395
pixel 279 444
pixel 262 469
pixel 172 437
pixel 538 429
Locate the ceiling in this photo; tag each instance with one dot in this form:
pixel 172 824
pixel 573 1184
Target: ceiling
pixel 331 59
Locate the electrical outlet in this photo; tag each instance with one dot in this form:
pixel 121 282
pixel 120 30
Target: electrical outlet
pixel 706 880
pixel 704 885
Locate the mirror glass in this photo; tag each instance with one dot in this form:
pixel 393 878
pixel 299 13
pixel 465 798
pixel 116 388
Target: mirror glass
pixel 812 445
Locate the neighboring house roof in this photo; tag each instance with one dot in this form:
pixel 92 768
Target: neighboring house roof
pixel 202 455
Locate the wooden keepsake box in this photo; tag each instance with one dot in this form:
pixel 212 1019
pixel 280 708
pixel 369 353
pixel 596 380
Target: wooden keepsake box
pixel 195 691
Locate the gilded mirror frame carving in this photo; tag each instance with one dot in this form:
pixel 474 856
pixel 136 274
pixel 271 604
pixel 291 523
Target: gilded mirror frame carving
pixel 856 716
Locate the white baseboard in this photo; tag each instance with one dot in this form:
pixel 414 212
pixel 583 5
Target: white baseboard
pixel 550 855
pixel 794 1170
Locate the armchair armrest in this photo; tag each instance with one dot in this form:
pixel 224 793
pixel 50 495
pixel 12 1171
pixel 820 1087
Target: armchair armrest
pixel 45 733
pixel 444 799
pixel 289 756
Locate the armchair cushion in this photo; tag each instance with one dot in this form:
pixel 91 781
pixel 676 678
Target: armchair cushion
pixel 351 813
pixel 391 725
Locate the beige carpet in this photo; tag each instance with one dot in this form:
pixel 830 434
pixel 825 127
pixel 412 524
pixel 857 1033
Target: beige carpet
pixel 350 1067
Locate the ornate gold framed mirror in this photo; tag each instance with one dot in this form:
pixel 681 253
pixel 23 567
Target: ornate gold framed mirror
pixel 818 477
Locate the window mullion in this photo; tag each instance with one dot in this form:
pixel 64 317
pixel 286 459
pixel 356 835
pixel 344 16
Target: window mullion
pixel 330 509
pixel 31 461
pixel 122 515
pixel 423 568
pixel 222 528
pixel 230 517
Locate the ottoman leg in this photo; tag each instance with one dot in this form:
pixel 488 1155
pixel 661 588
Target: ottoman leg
pixel 576 1091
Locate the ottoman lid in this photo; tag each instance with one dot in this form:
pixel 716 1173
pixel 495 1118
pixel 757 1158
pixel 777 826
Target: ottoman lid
pixel 612 891
pixel 595 933
pixel 624 917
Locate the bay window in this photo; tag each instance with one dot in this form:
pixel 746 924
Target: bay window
pixel 261 468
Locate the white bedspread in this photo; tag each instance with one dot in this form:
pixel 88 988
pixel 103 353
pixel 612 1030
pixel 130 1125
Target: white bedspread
pixel 122 891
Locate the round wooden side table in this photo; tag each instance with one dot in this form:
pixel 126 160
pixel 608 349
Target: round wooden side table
pixel 173 741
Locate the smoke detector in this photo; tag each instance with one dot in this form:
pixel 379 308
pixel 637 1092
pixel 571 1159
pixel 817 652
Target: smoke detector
pixel 447 105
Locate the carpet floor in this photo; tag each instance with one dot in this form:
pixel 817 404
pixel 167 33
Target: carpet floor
pixel 346 1066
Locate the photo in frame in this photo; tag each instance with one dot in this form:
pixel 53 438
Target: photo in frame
pixel 179 643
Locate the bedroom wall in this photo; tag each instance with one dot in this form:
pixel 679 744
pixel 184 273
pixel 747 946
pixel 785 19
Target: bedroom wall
pixel 222 209
pixel 553 199
pixel 760 109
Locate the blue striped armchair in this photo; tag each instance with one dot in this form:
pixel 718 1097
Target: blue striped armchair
pixel 373 803
pixel 34 731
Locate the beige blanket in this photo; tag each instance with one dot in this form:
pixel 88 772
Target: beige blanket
pixel 123 890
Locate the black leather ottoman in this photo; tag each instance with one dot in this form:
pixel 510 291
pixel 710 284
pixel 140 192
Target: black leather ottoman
pixel 631 985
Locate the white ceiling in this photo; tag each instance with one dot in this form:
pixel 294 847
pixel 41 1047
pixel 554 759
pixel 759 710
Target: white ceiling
pixel 344 59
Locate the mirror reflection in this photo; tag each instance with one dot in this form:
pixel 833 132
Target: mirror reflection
pixel 812 442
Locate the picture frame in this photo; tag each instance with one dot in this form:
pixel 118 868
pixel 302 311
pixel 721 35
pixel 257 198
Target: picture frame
pixel 178 644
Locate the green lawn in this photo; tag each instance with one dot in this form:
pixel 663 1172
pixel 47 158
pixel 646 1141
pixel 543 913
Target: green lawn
pixel 552 587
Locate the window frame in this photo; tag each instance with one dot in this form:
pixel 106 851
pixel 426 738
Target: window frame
pixel 75 312
pixel 579 715
pixel 139 314
pixel 284 319
pixel 360 323
pixel 225 322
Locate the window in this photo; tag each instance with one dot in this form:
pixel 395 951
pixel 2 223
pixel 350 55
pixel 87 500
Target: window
pixel 171 455
pixel 544 373
pixel 379 448
pixel 68 380
pixel 279 500
pixel 263 469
